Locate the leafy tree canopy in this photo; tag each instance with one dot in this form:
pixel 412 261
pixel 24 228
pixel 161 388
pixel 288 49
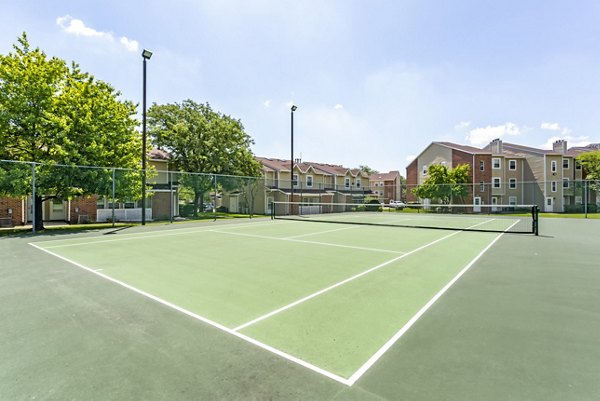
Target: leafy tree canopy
pixel 201 140
pixel 445 184
pixel 53 114
pixel 367 170
pixel 590 161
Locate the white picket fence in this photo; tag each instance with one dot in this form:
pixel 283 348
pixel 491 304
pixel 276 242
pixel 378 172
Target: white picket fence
pixel 104 215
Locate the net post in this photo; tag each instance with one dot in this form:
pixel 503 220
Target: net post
pixel 535 211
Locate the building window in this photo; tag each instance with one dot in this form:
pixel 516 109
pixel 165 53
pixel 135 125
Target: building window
pixel 553 166
pixel 512 183
pixel 512 165
pixel 295 180
pixel 481 165
pixel 565 183
pixel 424 170
pixel 358 183
pixel 101 202
pixel 309 181
pixel 347 182
pixel 565 163
pixel 481 186
pixel 578 200
pixel 497 183
pixel 577 165
pixel 496 163
pixel 512 200
pixel 553 186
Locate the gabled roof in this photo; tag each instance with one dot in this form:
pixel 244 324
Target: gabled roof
pixel 157 154
pixel 389 176
pixel 577 150
pixel 463 148
pixel 304 167
pixel 513 148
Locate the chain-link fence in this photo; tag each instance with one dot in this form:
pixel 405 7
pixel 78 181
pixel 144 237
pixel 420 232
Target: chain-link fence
pixel 31 192
pixel 84 194
pixel 566 196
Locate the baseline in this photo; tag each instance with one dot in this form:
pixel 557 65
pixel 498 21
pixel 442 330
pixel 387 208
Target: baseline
pixel 203 319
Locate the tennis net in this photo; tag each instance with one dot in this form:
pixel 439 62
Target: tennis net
pixel 520 219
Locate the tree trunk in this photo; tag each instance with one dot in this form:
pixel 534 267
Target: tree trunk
pixel 38 224
pixel 198 202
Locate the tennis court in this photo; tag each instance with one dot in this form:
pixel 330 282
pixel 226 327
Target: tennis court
pixel 333 301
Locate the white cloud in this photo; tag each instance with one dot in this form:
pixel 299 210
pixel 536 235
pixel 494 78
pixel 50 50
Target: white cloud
pixel 77 27
pixel 571 141
pixel 462 125
pixel 410 158
pixel 267 104
pixel 550 126
pixel 338 107
pixel 483 136
pixel 131 45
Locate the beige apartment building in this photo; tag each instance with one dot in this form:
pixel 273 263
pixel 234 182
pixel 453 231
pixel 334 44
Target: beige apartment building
pixel 510 174
pixel 312 183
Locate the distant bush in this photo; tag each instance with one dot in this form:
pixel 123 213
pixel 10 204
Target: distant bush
pixel 373 206
pixel 591 208
pixel 186 210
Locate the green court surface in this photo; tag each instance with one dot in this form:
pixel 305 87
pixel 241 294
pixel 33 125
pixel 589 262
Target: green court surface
pixel 265 309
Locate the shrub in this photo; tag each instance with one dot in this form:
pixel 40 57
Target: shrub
pixel 373 206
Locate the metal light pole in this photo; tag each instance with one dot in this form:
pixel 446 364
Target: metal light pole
pixel 294 108
pixel 146 54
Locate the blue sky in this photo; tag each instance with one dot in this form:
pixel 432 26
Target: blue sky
pixel 374 81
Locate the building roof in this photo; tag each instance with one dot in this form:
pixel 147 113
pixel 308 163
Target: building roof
pixel 463 148
pixel 272 164
pixel 389 176
pixel 157 154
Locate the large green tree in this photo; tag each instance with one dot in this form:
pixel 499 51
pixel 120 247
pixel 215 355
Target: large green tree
pixel 590 161
pixel 445 185
pixel 201 141
pixel 59 117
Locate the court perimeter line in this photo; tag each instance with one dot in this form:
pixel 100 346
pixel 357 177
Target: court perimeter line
pixel 371 361
pixel 191 314
pixel 340 283
pixel 148 235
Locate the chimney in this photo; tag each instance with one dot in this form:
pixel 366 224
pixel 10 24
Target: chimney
pixel 496 146
pixel 560 146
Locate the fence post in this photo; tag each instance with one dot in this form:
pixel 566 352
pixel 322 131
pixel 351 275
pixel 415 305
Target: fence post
pixel 113 198
pixel 171 203
pixel 585 196
pixel 215 202
pixel 33 198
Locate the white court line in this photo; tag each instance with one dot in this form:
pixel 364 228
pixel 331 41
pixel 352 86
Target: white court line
pixel 244 337
pixel 321 232
pixel 308 365
pixel 149 235
pixel 340 283
pixel 371 361
pixel 360 248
